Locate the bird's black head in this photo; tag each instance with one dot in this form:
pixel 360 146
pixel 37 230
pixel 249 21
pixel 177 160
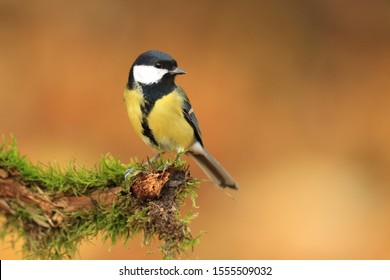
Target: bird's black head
pixel 153 67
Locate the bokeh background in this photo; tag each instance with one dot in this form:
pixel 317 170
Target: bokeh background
pixel 293 97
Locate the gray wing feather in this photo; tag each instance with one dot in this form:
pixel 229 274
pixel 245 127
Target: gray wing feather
pixel 190 116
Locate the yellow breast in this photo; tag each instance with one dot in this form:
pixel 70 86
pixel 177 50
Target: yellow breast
pixel 134 100
pixel 166 121
pixel 168 125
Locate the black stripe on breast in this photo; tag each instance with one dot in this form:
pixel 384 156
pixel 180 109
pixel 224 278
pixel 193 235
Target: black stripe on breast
pixel 146 131
pixel 146 107
pixel 152 93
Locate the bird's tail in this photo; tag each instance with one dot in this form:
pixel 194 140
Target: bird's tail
pixel 213 169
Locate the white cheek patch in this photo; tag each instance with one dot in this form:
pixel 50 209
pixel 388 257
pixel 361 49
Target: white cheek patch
pixel 147 75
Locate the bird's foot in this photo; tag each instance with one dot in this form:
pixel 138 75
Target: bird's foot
pixel 129 172
pixel 133 170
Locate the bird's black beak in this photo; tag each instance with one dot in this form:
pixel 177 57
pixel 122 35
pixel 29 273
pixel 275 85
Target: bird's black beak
pixel 177 71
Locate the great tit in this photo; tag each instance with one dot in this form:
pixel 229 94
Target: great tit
pixel 162 116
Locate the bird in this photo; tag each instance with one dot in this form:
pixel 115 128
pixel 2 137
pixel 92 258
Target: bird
pixel 161 113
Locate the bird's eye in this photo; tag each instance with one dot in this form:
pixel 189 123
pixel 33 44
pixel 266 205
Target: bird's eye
pixel 158 65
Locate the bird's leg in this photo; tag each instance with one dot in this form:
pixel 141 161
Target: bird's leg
pixel 132 170
pixel 156 156
pixel 129 171
pixel 179 155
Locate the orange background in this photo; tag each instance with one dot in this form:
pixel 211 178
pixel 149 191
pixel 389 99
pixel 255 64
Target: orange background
pixel 292 97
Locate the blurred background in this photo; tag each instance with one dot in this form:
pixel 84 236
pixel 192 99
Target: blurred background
pixel 292 97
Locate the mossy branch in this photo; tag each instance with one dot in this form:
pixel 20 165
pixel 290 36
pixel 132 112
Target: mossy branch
pixel 54 209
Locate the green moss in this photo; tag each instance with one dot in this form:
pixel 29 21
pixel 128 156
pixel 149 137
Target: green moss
pixel 58 235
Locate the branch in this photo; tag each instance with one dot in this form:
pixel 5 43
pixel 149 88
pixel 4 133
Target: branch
pixel 53 209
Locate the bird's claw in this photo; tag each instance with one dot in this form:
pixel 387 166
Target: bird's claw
pixel 129 172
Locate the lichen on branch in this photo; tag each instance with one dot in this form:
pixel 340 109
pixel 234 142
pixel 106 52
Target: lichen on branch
pixel 54 209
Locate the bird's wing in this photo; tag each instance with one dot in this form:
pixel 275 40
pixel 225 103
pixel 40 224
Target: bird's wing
pixel 189 115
